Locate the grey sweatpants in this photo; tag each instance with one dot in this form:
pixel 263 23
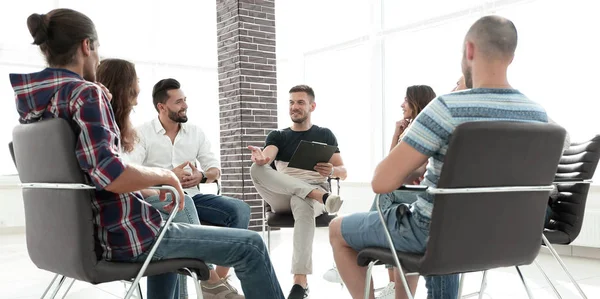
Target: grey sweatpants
pixel 285 193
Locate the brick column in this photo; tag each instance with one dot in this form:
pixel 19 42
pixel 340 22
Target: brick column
pixel 247 92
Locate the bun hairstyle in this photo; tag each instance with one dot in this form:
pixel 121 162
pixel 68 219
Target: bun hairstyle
pixel 38 27
pixel 59 34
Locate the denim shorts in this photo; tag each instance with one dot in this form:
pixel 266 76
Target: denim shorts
pixel 409 230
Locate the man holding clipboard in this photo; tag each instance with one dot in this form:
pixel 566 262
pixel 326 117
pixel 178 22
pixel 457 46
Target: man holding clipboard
pixel 305 155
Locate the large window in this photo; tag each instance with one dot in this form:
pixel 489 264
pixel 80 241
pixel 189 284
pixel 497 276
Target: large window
pixel 165 39
pixel 307 25
pixel 557 60
pixel 406 14
pixel 427 56
pixel 336 48
pixel 340 79
pixel 358 55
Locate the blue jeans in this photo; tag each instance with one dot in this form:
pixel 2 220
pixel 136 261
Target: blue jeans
pixel 187 215
pixel 170 285
pixel 409 232
pixel 241 249
pixel 548 216
pixel 222 210
pixel 215 209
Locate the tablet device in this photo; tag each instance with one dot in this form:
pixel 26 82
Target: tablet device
pixel 309 153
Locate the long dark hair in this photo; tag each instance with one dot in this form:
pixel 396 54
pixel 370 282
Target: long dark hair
pixel 119 76
pixel 59 33
pixel 417 97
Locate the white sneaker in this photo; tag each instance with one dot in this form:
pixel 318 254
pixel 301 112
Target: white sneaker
pixel 333 203
pixel 389 292
pixel 332 275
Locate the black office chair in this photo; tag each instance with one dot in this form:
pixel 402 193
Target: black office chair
pixel 573 177
pixel 575 171
pixel 58 214
pixel 476 225
pixel 286 219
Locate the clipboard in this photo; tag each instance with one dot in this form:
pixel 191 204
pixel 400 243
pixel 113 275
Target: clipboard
pixel 309 153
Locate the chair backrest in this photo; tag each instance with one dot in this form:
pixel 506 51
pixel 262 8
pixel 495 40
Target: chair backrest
pixel 578 163
pixel 58 222
pixel 477 231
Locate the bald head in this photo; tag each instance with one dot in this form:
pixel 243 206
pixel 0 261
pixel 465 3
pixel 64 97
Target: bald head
pixel 494 36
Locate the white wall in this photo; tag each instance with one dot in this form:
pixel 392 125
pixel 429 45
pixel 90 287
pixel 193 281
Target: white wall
pixel 11 204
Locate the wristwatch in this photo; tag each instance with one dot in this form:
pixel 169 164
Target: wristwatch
pixel 203 180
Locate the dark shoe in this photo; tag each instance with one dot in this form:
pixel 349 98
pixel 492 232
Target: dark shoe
pixel 298 292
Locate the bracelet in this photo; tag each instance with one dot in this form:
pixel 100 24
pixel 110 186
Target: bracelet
pixel 331 174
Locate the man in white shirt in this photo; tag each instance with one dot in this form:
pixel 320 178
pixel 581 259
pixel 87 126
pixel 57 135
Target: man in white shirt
pixel 169 142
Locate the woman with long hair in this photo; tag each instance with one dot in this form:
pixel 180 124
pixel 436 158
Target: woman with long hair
pixel 120 78
pixel 417 97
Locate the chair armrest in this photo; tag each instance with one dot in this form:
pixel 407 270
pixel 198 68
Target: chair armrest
pixel 161 234
pixel 567 181
pixel 431 190
pixel 72 186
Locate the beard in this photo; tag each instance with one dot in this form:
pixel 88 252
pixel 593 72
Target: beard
pixel 467 72
pixel 300 119
pixel 89 75
pixel 468 78
pixel 174 116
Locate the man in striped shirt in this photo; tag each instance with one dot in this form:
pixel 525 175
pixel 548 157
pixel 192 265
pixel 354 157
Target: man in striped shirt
pixel 489 48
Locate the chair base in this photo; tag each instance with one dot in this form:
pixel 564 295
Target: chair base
pixel 135 286
pixel 56 289
pixel 564 267
pixel 479 293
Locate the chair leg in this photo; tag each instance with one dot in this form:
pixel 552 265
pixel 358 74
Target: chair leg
pixel 478 293
pixel 483 284
pixel 405 284
pixel 368 279
pixel 529 294
pixel 60 282
pixel 68 289
pixel 461 284
pixel 48 288
pixel 548 279
pixel 132 289
pixel 140 291
pixel 392 248
pixel 197 285
pixel 562 264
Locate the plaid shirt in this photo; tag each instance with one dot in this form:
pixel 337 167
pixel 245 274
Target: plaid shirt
pixel 125 226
